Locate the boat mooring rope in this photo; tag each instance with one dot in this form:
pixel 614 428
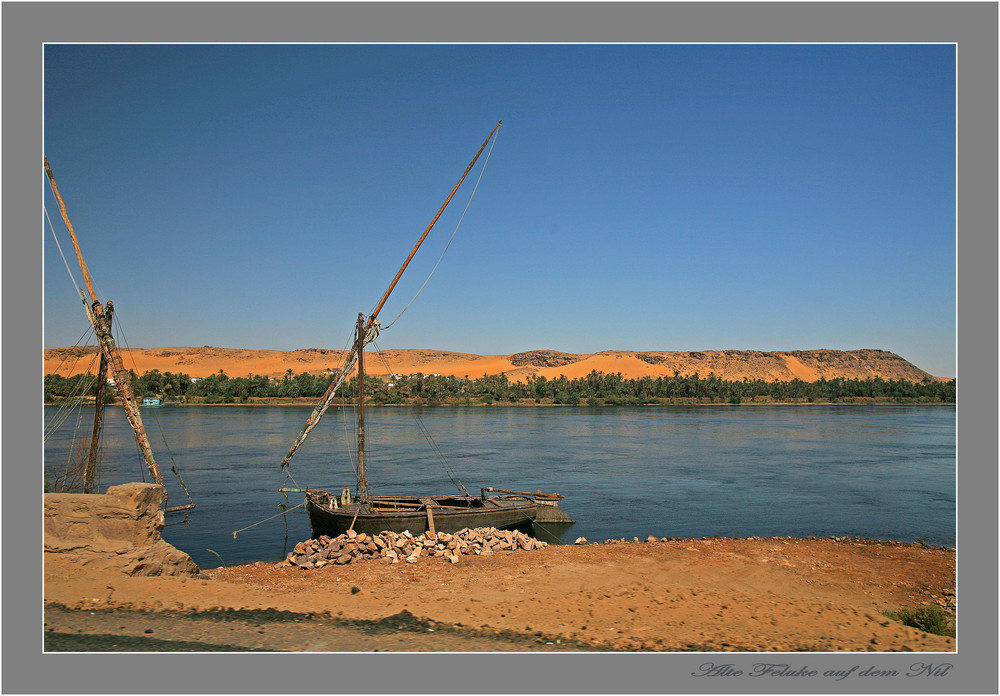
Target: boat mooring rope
pixel 268 519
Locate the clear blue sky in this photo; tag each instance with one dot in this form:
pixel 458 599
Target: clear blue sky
pixel 638 197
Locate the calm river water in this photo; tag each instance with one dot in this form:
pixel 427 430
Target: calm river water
pixel 885 472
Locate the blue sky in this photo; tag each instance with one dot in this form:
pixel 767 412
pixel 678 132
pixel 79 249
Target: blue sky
pixel 646 197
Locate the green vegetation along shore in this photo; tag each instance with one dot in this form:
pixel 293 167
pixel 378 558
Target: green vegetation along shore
pixel 596 389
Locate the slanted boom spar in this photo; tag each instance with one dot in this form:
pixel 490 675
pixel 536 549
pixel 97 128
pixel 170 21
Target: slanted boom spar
pixel 371 327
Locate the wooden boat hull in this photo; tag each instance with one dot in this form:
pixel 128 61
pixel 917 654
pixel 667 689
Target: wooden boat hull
pixel 407 513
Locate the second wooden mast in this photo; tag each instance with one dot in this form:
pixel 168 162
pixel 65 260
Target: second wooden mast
pixel 362 478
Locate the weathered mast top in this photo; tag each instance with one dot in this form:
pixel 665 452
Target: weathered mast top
pixel 420 241
pixel 72 234
pixel 371 324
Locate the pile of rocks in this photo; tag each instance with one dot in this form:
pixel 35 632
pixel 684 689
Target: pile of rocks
pixel 392 547
pixel 946 600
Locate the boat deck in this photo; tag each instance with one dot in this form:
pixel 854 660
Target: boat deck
pixel 417 514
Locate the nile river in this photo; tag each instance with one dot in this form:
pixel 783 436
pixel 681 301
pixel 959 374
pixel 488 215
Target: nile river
pixel 883 472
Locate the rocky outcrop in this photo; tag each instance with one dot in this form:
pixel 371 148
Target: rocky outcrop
pixel 543 358
pixel 782 366
pixel 857 364
pixel 119 530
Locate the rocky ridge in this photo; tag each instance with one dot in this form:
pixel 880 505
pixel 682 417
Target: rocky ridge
pixel 735 365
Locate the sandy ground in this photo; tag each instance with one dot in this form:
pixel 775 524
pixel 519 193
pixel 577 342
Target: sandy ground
pixel 807 365
pixel 681 595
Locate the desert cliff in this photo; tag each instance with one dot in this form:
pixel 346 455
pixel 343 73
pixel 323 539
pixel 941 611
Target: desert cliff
pixel 807 365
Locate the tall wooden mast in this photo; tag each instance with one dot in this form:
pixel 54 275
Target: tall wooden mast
pixel 96 315
pixel 362 480
pixel 90 471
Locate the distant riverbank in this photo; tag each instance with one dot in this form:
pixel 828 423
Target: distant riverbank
pixel 596 389
pixel 531 403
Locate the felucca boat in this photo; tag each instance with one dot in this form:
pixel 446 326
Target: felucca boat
pixel 332 513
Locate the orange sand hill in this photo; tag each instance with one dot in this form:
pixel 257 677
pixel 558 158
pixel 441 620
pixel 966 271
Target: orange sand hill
pixel 807 365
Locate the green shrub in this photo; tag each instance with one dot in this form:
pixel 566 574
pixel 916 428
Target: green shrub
pixel 929 619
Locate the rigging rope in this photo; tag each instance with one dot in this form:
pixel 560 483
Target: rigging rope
pixel 287 469
pixel 481 171
pixel 123 340
pixel 74 448
pixel 97 291
pixel 72 404
pixel 76 358
pixel 79 290
pixel 426 433
pixel 440 455
pixel 288 475
pixel 321 408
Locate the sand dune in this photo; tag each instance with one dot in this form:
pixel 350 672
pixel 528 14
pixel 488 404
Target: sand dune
pixel 807 365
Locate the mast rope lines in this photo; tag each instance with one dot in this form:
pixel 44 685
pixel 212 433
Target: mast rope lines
pixel 426 434
pixel 349 361
pixel 457 225
pixel 324 403
pixel 123 340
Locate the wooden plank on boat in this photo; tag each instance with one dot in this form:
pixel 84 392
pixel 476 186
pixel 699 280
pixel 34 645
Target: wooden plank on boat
pixel 430 520
pixel 537 494
pixel 427 501
pixel 395 503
